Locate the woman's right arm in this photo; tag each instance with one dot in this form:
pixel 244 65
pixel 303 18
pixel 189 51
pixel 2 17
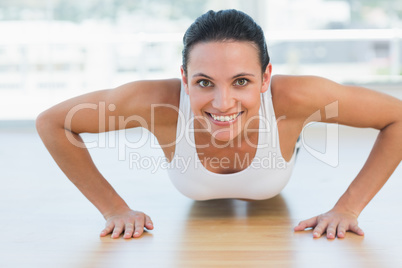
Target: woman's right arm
pixel 59 128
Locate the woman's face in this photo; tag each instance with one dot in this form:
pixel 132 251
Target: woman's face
pixel 224 82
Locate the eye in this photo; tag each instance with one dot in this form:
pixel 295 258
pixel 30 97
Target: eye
pixel 204 83
pixel 241 82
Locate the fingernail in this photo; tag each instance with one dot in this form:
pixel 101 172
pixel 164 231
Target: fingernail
pixel 136 233
pixel 316 234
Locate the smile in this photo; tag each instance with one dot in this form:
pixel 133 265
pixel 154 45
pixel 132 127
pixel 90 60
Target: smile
pixel 224 118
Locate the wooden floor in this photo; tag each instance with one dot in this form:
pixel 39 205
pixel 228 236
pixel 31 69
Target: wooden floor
pixel 46 222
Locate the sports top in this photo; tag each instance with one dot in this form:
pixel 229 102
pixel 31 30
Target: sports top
pixel 263 177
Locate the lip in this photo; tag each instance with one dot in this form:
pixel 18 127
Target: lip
pixel 226 123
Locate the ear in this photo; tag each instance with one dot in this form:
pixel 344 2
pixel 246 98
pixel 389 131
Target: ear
pixel 266 78
pixel 184 79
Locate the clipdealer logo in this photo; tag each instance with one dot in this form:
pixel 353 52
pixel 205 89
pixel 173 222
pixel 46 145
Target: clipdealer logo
pixel 120 139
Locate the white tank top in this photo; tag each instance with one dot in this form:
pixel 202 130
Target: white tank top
pixel 264 177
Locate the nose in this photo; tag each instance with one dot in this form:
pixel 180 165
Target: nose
pixel 223 99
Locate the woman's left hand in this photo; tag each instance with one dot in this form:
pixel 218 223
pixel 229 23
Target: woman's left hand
pixel 334 223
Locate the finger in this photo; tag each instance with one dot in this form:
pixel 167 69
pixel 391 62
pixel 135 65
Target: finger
pixel 118 229
pixel 342 227
pixel 331 230
pixel 108 229
pixel 320 228
pixel 306 224
pixel 356 229
pixel 148 223
pixel 128 230
pixel 139 225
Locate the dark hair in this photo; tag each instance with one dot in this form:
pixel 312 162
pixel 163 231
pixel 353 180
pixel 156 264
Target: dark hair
pixel 225 25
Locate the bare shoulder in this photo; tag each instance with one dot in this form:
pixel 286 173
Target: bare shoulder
pixel 148 96
pixel 156 104
pixel 289 94
pixel 301 96
pixel 155 91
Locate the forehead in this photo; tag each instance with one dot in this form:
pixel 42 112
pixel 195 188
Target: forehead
pixel 222 56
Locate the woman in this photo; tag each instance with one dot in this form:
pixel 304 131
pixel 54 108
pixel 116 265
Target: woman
pixel 226 113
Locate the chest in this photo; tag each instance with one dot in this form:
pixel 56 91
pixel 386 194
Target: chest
pixel 232 158
pixel 227 160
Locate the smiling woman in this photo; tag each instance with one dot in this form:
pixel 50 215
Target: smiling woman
pixel 223 81
pixel 227 118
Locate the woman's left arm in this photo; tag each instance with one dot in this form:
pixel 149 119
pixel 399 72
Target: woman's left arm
pixel 357 107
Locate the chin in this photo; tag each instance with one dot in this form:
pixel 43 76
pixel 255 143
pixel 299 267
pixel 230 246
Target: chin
pixel 222 136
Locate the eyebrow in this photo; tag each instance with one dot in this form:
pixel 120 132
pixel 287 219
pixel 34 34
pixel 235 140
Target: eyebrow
pixel 236 76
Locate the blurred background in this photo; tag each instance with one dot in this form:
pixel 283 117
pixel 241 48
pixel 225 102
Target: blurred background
pixel 52 50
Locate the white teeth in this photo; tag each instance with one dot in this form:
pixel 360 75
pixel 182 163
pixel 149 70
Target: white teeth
pixel 225 118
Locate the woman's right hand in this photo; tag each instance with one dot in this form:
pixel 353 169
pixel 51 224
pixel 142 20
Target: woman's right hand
pixel 130 221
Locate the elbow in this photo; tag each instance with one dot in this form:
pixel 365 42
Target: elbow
pixel 395 120
pixel 44 122
pixel 41 121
